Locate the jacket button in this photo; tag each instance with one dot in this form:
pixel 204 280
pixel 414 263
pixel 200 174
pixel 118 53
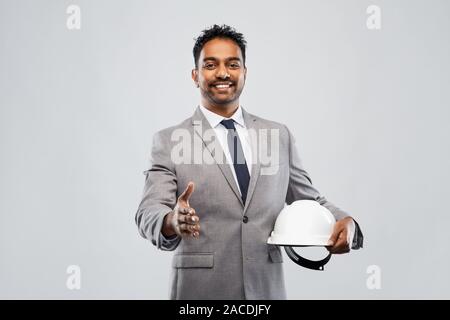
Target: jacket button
pixel 245 219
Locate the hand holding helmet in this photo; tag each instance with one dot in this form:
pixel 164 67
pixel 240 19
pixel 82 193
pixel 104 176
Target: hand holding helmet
pixel 305 223
pixel 339 241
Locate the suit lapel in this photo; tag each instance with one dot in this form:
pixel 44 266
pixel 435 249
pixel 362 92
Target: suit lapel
pixel 200 124
pixel 252 125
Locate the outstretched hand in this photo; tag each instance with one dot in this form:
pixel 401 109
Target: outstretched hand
pixel 183 220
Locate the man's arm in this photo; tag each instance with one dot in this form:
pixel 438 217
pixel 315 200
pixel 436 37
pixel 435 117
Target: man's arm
pixel 300 188
pixel 159 197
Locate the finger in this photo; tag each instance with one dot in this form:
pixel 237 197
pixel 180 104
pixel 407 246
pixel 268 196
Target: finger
pixel 181 230
pixel 184 197
pixel 341 246
pixel 188 228
pixel 334 237
pixel 185 234
pixel 333 242
pixel 190 211
pixel 184 210
pixel 189 219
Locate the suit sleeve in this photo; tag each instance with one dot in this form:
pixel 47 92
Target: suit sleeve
pixel 159 196
pixel 301 188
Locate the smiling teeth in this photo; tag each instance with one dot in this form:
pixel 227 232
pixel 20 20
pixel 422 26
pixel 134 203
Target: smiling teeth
pixel 223 86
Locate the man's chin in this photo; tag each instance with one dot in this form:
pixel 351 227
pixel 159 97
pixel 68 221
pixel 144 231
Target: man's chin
pixel 223 104
pixel 223 100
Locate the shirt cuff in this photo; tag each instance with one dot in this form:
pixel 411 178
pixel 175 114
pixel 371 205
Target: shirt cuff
pixel 169 243
pixel 358 237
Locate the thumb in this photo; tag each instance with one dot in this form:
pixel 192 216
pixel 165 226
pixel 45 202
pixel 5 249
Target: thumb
pixel 187 193
pixel 334 237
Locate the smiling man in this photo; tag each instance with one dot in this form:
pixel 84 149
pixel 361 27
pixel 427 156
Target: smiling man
pixel 219 231
pixel 220 74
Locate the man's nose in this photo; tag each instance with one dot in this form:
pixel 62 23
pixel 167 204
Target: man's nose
pixel 222 73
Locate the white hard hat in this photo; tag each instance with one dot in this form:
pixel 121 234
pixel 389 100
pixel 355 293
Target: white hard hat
pixel 303 223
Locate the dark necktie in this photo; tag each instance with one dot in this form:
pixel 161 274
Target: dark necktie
pixel 237 156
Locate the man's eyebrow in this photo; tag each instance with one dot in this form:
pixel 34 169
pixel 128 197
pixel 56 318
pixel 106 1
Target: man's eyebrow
pixel 227 59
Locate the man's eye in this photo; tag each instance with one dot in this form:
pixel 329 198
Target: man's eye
pixel 209 66
pixel 234 65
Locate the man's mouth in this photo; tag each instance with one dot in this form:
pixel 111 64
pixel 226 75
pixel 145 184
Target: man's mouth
pixel 222 86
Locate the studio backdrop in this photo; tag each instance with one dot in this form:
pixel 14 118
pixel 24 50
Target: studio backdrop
pixel 362 85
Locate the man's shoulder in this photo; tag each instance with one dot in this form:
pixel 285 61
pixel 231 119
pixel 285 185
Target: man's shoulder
pixel 269 124
pixel 168 131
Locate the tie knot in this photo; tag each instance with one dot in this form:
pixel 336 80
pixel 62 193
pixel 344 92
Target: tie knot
pixel 229 124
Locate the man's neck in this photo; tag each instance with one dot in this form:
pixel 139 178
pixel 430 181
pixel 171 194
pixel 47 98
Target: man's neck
pixel 224 111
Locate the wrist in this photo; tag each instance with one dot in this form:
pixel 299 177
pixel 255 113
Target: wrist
pixel 167 228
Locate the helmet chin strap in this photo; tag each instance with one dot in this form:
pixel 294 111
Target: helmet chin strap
pixel 310 264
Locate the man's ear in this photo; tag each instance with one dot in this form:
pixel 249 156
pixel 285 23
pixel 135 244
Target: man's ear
pixel 245 73
pixel 194 75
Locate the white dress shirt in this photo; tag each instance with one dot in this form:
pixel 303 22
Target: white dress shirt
pixel 221 133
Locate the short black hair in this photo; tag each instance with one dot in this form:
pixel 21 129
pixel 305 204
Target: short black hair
pixel 217 31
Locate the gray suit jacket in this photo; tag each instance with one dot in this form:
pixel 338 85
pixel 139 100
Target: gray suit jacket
pixel 231 259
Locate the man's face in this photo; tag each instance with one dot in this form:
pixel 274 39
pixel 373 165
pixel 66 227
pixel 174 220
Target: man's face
pixel 221 73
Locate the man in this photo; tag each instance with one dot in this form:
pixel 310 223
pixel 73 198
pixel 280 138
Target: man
pixel 218 215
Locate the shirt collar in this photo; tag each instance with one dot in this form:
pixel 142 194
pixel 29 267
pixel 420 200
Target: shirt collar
pixel 214 118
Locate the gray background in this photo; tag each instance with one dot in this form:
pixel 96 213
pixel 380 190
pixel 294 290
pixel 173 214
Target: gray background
pixel 369 109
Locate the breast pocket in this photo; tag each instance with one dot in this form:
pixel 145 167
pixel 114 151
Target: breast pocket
pixel 193 260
